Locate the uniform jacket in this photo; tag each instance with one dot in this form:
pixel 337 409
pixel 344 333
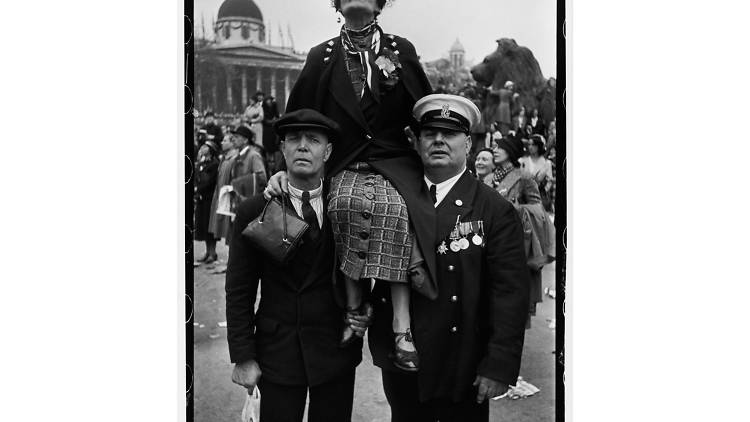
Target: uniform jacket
pixel 477 323
pixel 294 334
pixel 372 127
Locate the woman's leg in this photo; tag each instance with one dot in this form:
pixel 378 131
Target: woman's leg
pixel 211 247
pixel 353 293
pixel 401 316
pixel 353 302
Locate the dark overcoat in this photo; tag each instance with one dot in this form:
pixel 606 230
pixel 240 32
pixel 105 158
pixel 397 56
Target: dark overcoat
pixel 294 335
pixel 372 127
pixel 476 325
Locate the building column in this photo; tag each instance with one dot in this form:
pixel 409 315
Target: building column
pixel 214 93
pixel 287 86
pixel 230 102
pixel 273 83
pixel 243 79
pixel 198 100
pixel 259 82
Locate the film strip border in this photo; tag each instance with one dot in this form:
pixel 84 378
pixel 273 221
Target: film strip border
pixel 189 221
pixel 561 218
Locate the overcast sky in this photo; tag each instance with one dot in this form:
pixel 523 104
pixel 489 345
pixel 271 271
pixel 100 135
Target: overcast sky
pixel 432 25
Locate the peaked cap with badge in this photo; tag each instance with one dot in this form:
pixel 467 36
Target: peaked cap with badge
pixel 444 111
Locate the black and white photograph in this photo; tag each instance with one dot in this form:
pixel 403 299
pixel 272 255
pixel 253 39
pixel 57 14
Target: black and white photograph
pixel 374 211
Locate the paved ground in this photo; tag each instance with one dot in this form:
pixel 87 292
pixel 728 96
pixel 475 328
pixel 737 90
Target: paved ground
pixel 217 399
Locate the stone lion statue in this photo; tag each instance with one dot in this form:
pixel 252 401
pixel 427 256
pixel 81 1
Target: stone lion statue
pixel 529 88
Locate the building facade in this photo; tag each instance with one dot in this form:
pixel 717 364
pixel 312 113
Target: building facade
pixel 239 61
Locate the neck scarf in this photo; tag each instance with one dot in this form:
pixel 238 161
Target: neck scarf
pixel 366 55
pixel 501 171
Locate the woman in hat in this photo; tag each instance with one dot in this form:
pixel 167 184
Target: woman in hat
pixel 521 190
pixel 539 167
pixel 253 117
pixel 206 170
pixel 368 81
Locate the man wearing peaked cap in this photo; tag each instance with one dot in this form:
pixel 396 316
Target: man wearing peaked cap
pixel 469 338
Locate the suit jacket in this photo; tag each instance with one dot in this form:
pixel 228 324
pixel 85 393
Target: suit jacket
pixel 295 333
pixel 373 126
pixel 477 323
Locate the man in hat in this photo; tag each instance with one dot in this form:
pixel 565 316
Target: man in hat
pixel 290 346
pixel 213 131
pixel 469 338
pixel 249 171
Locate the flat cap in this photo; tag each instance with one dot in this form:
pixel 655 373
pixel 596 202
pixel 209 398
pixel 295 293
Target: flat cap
pixel 446 112
pixel 307 118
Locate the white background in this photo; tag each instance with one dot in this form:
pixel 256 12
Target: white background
pixel 92 211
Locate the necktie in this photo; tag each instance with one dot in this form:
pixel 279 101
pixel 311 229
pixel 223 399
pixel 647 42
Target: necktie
pixel 433 193
pixel 308 213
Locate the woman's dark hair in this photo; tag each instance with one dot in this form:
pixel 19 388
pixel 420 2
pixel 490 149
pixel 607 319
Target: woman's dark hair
pixel 538 141
pixel 492 153
pixel 381 4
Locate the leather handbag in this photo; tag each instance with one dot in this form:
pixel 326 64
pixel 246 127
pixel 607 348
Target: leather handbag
pixel 275 232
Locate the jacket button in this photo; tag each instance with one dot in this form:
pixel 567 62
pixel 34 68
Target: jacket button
pixel 364 235
pixel 361 254
pixel 369 138
pixel 454 329
pixel 454 298
pixel 451 268
pixel 366 215
pixel 382 299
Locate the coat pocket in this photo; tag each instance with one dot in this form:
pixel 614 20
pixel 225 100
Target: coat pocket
pixel 266 326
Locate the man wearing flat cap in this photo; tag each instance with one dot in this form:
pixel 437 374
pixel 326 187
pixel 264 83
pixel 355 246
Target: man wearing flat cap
pixel 290 345
pixel 469 338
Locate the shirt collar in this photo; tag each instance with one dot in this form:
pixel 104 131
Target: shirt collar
pixel 448 182
pixel 244 150
pixel 297 193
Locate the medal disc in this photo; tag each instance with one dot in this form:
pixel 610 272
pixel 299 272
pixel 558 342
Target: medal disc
pixel 477 239
pixel 464 243
pixel 455 247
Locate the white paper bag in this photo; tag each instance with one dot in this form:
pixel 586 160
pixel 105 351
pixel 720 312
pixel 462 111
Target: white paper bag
pixel 251 411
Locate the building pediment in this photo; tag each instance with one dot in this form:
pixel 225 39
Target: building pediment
pixel 257 51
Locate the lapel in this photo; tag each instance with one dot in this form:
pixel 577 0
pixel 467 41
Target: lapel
pixel 336 78
pixel 462 193
pixel 318 247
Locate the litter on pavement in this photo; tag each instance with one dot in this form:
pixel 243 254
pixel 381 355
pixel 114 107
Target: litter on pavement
pixel 521 390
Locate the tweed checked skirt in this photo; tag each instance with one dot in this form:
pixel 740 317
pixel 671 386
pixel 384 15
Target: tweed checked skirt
pixel 370 224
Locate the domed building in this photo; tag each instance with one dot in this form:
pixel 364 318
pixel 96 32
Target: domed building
pixel 239 61
pixel 456 53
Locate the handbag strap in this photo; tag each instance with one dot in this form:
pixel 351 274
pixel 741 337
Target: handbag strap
pixel 283 199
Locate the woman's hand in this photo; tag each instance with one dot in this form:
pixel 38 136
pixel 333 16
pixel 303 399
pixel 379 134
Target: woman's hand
pixel 277 185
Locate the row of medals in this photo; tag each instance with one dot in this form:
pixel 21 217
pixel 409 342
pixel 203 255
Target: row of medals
pixel 459 236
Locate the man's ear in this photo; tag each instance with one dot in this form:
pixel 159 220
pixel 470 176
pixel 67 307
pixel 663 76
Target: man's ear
pixel 329 150
pixel 468 144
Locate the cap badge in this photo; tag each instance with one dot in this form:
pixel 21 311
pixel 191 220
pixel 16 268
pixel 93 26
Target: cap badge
pixel 446 113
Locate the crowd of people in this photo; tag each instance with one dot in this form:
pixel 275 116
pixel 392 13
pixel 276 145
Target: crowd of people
pixel 408 234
